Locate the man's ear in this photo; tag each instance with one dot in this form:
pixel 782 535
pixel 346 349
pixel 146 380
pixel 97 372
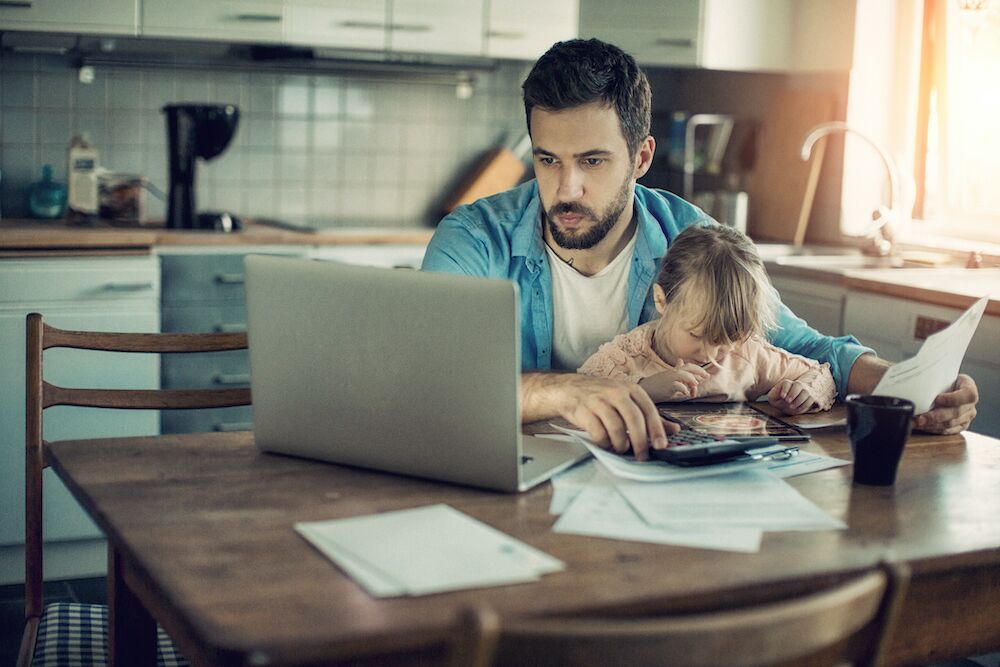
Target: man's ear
pixel 659 299
pixel 644 157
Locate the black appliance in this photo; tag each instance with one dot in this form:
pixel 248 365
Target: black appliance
pixel 194 131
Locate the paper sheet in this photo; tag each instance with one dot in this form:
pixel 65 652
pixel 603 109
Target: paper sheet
pixel 935 366
pixel 600 511
pixel 568 484
pixel 426 550
pixel 750 498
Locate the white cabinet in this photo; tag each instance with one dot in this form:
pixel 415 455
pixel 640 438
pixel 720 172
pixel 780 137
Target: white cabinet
pixel 820 304
pixel 222 20
pixel 452 27
pixel 896 328
pixel 103 17
pixel 737 35
pixel 525 29
pixel 107 294
pixel 390 256
pixel 346 24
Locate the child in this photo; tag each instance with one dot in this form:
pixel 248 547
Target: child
pixel 716 305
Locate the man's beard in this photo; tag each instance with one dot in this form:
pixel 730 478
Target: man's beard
pixel 588 238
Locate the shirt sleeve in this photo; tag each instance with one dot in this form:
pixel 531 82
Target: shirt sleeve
pixel 794 335
pixel 611 361
pixel 775 365
pixel 457 247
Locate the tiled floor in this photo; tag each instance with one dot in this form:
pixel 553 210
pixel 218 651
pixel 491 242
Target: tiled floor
pixel 12 608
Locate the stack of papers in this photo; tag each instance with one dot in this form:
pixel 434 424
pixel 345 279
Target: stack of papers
pixel 724 506
pixel 425 550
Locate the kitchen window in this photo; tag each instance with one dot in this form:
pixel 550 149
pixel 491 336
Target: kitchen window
pixel 957 157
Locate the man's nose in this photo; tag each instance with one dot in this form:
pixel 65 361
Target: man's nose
pixel 570 184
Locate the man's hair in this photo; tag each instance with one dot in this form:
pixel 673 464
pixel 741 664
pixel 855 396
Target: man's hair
pixel 713 274
pixel 578 72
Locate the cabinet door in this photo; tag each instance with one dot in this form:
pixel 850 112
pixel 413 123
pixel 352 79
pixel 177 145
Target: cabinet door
pixel 652 31
pixel 387 256
pixel 346 24
pixel 234 20
pixel 103 17
pixel 436 26
pixel 818 304
pixel 525 29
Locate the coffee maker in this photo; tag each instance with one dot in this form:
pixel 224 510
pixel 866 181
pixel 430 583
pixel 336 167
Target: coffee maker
pixel 195 131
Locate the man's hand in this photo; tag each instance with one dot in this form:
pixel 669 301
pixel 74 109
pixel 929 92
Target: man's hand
pixel 616 414
pixel 953 410
pixel 680 382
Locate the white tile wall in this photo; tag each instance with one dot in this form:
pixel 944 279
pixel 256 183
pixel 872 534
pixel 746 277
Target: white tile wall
pixel 352 151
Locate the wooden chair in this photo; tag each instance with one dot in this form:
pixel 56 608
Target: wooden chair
pixel 850 623
pixel 63 625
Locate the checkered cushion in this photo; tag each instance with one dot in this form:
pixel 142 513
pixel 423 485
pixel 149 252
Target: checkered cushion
pixel 76 635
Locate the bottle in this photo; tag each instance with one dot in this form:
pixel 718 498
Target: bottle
pixel 82 177
pixel 46 198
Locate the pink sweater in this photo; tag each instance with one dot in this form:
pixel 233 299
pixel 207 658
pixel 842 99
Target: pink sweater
pixel 750 370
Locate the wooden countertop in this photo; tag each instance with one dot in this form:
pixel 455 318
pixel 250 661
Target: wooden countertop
pixel 24 237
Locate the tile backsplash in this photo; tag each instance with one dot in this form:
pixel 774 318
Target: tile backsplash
pixel 340 150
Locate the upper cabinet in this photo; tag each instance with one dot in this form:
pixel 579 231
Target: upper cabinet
pixel 229 20
pixel 347 24
pixel 453 27
pixel 737 35
pixel 525 29
pixel 103 17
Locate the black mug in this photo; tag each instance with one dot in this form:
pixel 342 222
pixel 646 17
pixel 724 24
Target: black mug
pixel 878 427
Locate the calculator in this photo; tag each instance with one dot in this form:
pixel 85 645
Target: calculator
pixel 691 448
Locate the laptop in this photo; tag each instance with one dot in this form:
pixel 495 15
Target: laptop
pixel 394 370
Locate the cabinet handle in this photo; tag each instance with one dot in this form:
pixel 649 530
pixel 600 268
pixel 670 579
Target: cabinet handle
pixel 259 18
pixel 231 378
pixel 229 278
pixel 15 4
pixel 502 34
pixel 229 328
pixel 410 27
pixel 365 25
pixel 682 42
pixel 128 287
pixel 225 427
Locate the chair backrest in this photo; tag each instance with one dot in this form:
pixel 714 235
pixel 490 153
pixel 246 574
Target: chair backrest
pixel 850 623
pixel 41 394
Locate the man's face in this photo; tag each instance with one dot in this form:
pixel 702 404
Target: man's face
pixel 584 172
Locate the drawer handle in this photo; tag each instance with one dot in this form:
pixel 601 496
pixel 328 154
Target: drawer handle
pixel 231 378
pixel 229 278
pixel 259 18
pixel 227 327
pixel 15 4
pixel 128 287
pixel 682 42
pixel 225 427
pixel 364 25
pixel 410 27
pixel 502 34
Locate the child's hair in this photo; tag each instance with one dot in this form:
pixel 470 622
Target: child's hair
pixel 714 274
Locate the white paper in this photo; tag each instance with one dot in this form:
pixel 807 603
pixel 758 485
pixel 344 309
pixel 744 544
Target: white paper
pixel 803 463
pixel 657 471
pixel 426 550
pixel 935 366
pixel 750 498
pixel 568 484
pixel 600 511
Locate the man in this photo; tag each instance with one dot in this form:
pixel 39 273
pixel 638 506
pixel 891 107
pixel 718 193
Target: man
pixel 583 242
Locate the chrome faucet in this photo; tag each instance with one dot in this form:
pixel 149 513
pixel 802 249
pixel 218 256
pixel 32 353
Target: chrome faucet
pixel 881 233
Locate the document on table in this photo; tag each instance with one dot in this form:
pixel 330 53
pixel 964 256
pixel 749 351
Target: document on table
pixel 750 498
pixel 935 366
pixel 425 550
pixel 599 510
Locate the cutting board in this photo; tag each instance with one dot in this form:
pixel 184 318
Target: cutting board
pixel 781 185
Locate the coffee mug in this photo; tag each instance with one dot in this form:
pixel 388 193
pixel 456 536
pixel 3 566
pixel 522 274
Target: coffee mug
pixel 878 427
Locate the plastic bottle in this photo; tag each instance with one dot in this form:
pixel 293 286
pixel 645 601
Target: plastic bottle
pixel 46 198
pixel 82 177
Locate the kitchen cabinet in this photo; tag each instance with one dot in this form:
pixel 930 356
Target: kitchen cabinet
pixel 525 29
pixel 219 20
pixel 896 328
pixel 101 17
pixel 107 293
pixel 818 303
pixel 389 256
pixel 452 27
pixel 346 24
pixel 737 35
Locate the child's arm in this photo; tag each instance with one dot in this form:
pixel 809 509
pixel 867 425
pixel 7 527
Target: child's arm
pixel 794 384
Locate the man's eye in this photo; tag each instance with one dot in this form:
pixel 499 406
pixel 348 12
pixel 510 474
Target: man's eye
pixel 594 161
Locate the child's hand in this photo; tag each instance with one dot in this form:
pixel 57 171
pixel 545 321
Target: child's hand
pixel 791 397
pixel 680 381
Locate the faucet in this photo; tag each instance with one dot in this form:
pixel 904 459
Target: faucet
pixel 881 234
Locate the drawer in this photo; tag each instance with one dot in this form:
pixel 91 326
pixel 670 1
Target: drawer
pixel 202 278
pixel 207 318
pixel 390 256
pixel 238 20
pixel 33 281
pixel 239 418
pixel 211 370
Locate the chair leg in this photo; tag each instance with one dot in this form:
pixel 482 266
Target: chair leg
pixel 27 650
pixel 131 629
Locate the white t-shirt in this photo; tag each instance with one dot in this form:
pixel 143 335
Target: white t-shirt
pixel 587 310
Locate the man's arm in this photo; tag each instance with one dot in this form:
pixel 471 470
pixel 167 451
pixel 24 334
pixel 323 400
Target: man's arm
pixel 952 411
pixel 614 413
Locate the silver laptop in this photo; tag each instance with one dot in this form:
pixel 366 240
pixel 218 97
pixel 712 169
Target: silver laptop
pixel 400 371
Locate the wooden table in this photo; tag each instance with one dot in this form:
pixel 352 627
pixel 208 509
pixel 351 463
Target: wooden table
pixel 200 530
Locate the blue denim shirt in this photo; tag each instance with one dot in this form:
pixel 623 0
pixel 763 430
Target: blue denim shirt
pixel 501 237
